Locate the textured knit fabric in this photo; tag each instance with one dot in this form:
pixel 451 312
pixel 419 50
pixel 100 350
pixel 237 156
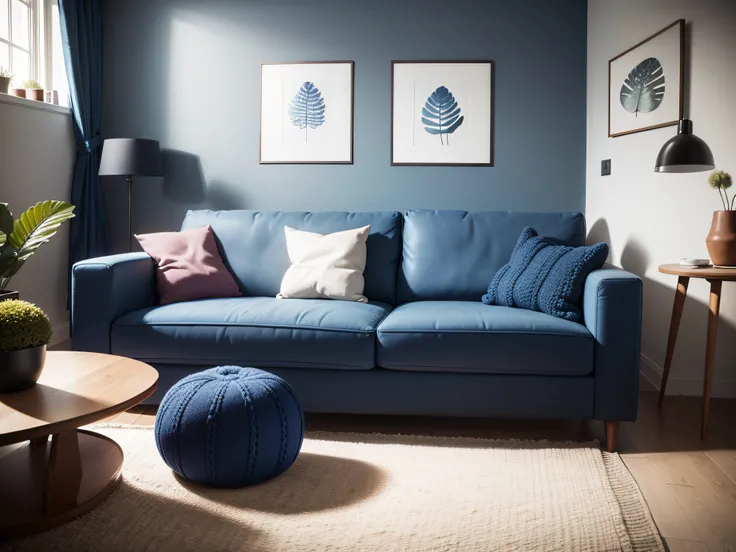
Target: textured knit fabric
pixel 545 276
pixel 229 427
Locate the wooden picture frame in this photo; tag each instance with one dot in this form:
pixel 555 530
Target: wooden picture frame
pixel 658 57
pixel 409 146
pixel 332 109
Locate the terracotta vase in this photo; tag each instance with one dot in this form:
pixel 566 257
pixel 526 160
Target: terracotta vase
pixel 721 240
pixel 19 92
pixel 34 94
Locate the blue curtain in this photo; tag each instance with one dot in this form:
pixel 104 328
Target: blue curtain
pixel 81 36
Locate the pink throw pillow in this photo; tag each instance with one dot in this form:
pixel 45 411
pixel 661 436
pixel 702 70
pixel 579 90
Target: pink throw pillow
pixel 188 265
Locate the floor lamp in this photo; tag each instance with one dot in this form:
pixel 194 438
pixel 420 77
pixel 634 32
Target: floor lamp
pixel 131 157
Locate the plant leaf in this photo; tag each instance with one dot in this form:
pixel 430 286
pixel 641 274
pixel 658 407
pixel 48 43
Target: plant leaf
pixel 6 219
pixel 307 109
pixel 7 264
pixel 643 88
pixel 34 228
pixel 441 113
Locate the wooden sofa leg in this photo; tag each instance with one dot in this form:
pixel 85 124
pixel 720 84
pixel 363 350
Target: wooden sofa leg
pixel 611 435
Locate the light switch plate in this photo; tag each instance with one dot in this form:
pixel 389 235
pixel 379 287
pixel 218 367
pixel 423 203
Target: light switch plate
pixel 605 167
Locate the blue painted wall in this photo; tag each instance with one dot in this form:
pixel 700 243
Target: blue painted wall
pixel 187 72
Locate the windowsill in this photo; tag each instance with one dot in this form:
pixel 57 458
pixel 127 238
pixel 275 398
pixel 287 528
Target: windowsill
pixel 32 104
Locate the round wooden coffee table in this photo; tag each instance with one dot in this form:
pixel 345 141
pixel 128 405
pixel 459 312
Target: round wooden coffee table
pixel 46 482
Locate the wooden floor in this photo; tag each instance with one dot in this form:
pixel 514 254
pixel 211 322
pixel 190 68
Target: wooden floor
pixel 689 484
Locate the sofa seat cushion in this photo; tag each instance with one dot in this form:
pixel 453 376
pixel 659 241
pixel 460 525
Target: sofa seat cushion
pixel 463 336
pixel 253 331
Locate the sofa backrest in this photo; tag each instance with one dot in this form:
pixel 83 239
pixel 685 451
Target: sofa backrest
pixel 253 245
pixel 453 255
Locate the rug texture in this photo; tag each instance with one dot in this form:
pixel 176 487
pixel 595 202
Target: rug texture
pixel 351 492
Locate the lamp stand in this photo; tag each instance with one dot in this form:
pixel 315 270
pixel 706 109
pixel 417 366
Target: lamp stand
pixel 130 211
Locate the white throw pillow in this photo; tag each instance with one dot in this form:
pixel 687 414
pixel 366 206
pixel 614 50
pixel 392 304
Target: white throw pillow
pixel 326 266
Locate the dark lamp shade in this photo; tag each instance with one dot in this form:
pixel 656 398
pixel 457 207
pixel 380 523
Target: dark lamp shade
pixel 131 157
pixel 684 153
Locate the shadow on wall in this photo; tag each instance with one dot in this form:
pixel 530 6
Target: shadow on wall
pixel 599 233
pixel 686 375
pixel 183 177
pixel 160 204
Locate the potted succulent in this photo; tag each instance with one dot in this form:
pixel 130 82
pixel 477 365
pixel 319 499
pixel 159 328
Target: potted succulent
pixel 34 91
pixel 25 331
pixel 21 238
pixel 721 240
pixel 5 78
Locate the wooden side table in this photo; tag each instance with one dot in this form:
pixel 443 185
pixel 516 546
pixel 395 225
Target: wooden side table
pixel 716 277
pixel 46 482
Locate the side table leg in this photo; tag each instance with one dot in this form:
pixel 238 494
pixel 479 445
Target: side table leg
pixel 64 473
pixel 710 349
pixel 679 303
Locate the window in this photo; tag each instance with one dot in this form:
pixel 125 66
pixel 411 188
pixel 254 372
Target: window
pixel 30 44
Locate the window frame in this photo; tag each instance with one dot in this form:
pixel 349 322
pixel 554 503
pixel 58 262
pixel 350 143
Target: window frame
pixel 41 43
pixel 33 36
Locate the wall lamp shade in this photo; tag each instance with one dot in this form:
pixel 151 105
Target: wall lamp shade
pixel 131 157
pixel 685 152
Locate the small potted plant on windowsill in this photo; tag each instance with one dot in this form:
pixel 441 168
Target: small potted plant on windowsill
pixel 721 240
pixel 5 78
pixel 34 91
pixel 16 90
pixel 25 331
pixel 21 238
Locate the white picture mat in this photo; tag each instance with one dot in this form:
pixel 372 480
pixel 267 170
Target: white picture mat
pixel 666 48
pixel 470 84
pixel 282 142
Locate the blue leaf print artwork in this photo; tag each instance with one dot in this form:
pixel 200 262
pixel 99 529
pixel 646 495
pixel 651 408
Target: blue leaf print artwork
pixel 307 109
pixel 441 114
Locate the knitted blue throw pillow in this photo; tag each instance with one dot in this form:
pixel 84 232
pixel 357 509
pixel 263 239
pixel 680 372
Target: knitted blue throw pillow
pixel 543 275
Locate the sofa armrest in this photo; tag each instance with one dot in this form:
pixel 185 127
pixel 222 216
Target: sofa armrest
pixel 105 288
pixel 612 302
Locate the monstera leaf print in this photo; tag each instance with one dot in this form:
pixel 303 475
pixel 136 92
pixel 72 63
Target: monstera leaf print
pixel 441 114
pixel 307 109
pixel 643 88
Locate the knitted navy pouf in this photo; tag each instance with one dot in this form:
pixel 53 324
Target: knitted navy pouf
pixel 229 427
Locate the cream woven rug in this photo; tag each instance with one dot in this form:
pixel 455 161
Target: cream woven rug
pixel 350 492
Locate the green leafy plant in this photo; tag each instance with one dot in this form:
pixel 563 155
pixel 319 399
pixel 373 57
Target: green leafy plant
pixel 721 181
pixel 21 238
pixel 22 325
pixel 32 84
pixel 5 73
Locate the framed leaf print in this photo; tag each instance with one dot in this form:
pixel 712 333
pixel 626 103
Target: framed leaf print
pixel 307 112
pixel 645 83
pixel 442 113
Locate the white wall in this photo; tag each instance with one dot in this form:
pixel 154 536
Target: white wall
pixel 37 154
pixel 649 218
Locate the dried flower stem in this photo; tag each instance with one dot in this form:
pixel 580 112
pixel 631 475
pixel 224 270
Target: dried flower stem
pixel 725 206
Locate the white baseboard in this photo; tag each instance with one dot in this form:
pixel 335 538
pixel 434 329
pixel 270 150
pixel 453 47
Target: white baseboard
pixel 60 334
pixel 675 386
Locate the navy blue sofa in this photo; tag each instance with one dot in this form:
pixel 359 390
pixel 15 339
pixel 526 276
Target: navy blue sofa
pixel 424 343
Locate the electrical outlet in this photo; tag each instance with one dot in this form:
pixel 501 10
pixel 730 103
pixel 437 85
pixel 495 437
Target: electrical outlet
pixel 605 167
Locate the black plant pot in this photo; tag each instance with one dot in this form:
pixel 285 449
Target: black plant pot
pixel 5 295
pixel 20 370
